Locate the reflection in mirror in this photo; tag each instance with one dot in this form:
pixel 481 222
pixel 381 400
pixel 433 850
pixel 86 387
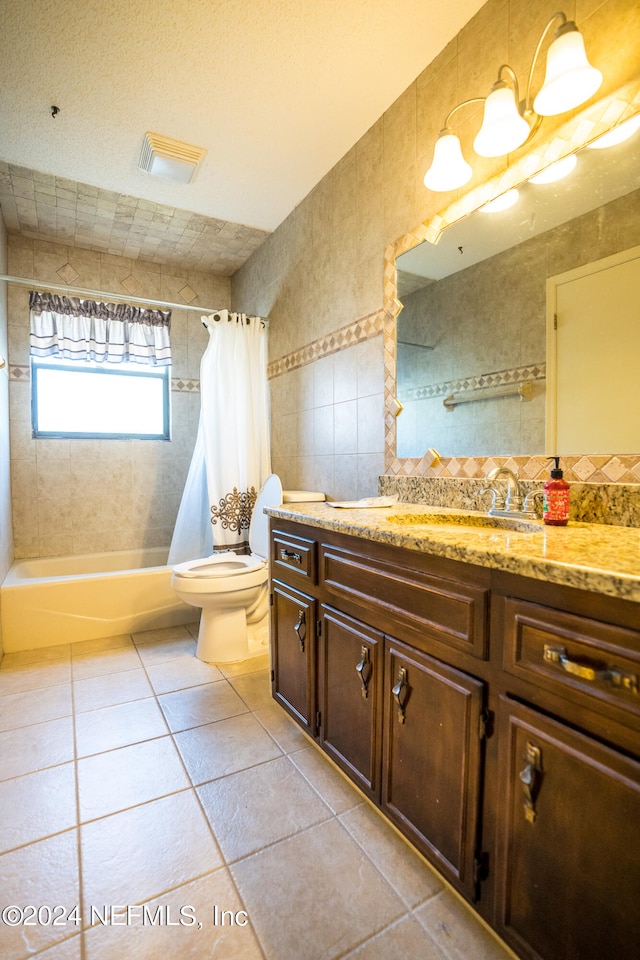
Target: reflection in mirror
pixel 471 358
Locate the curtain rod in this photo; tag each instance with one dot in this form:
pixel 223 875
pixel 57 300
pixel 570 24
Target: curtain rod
pixel 111 296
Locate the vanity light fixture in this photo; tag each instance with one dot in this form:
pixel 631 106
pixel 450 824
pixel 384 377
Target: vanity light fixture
pixel 509 122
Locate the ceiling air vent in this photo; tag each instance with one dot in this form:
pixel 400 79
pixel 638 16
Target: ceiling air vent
pixel 170 159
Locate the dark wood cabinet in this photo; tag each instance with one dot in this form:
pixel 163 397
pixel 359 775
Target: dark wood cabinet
pixel 568 870
pixel 432 758
pixel 294 620
pixel 350 685
pixel 494 719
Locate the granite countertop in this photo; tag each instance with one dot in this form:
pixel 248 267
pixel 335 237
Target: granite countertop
pixel 588 556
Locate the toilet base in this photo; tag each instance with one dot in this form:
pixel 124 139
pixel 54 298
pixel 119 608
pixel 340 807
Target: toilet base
pixel 226 637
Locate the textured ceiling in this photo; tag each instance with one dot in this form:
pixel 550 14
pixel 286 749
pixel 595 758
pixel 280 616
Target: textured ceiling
pixel 276 92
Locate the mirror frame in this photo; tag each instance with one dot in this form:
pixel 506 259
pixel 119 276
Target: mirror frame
pixel 571 136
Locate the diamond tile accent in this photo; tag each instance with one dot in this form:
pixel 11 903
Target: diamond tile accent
pixel 21 373
pixel 614 470
pixel 188 294
pixel 179 385
pixel 67 273
pixel 131 284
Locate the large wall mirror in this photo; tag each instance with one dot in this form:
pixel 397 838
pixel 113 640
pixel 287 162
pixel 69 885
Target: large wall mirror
pixel 471 338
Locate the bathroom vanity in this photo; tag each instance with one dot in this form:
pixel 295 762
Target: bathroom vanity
pixel 479 685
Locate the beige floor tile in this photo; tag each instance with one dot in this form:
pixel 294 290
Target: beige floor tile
pixel 118 726
pixel 182 673
pixel 105 662
pixel 162 650
pixel 32 748
pixel 61 651
pixel 100 644
pixel 252 665
pixel 334 789
pixel 37 706
pixel 38 805
pixel 315 895
pixel 284 731
pixel 40 873
pixel 406 938
pixel 70 949
pixel 407 873
pixel 224 747
pixel 254 688
pixel 259 806
pixel 34 676
pixel 198 705
pixel 118 779
pixel 457 930
pixel 227 936
pixel 133 856
pixel 97 692
pixel 162 633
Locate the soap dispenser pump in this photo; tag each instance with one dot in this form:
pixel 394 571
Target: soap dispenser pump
pixel 555 511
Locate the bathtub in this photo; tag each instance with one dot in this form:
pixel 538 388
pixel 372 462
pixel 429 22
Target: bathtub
pixel 53 600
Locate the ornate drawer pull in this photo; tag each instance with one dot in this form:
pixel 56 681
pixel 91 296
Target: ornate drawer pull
pixel 301 629
pixel 401 693
pixel 361 666
pixel 290 555
pixel 591 672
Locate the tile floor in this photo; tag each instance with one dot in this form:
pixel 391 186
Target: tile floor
pixel 134 775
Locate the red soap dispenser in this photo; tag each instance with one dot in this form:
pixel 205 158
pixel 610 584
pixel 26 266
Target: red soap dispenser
pixel 555 511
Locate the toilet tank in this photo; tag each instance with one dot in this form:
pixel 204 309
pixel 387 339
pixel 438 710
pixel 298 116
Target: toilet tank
pixel 302 496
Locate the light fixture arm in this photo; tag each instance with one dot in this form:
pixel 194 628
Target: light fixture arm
pixel 463 104
pixel 563 20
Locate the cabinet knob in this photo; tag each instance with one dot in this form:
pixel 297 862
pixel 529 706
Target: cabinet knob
pixel 530 779
pixel 290 555
pixel 362 671
pixel 301 629
pixel 401 693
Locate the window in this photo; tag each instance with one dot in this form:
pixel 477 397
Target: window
pixel 98 369
pixel 86 400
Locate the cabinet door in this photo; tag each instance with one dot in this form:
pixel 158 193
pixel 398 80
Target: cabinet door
pixel 351 682
pixel 568 863
pixel 293 652
pixel 432 757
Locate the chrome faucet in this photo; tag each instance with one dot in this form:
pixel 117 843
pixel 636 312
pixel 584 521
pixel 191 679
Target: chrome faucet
pixel 502 506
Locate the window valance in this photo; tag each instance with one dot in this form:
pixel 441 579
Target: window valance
pixel 75 329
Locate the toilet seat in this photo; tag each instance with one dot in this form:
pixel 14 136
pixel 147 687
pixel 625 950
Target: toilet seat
pixel 225 564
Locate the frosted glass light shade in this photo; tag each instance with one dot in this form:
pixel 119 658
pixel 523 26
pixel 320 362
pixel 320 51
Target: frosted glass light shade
pixel 449 170
pixel 503 127
pixel 570 79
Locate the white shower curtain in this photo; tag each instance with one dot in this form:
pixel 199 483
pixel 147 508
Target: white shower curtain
pixel 231 458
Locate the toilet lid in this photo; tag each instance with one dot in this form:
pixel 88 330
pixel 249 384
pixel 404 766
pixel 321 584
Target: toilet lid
pixel 269 496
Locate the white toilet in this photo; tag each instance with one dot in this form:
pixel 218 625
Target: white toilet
pixel 232 589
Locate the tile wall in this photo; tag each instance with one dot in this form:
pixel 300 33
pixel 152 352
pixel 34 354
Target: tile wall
pixel 322 272
pixel 6 529
pixel 84 496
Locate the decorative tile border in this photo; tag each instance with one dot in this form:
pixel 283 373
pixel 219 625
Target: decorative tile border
pixel 534 371
pixel 370 326
pixel 22 374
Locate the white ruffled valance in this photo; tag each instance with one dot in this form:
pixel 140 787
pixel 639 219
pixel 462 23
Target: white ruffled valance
pixel 74 329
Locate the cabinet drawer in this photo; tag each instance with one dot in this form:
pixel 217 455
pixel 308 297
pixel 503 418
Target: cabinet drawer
pixel 574 655
pixel 450 611
pixel 295 554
